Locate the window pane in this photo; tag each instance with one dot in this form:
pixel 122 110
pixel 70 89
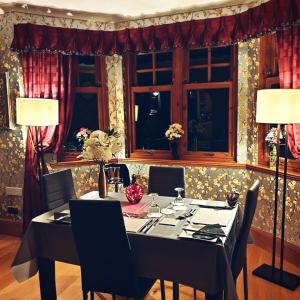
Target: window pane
pixel 144 79
pixel 220 74
pixel 198 57
pixel 220 55
pixel 208 120
pixel 152 119
pixel 198 75
pixel 85 114
pixel 164 77
pixel 87 79
pixel 86 62
pixel 164 60
pixel 143 61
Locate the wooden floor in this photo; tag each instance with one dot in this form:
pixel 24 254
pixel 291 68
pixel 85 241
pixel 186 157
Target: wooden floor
pixel 68 280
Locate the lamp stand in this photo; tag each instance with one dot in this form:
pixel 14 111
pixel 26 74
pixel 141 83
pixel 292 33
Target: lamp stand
pixel 40 160
pixel 267 272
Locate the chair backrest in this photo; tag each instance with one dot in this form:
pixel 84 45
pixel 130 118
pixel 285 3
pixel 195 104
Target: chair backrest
pixel 240 248
pixel 163 180
pixel 58 188
pixel 103 247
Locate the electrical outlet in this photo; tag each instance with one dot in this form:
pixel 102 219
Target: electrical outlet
pixel 12 210
pixel 13 191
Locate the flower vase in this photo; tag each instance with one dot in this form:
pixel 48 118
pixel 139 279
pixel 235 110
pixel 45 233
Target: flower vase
pixel 102 183
pixel 272 156
pixel 174 150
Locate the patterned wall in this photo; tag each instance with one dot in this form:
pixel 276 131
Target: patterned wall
pixel 201 182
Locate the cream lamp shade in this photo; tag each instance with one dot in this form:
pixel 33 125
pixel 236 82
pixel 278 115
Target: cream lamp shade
pixel 278 106
pixel 37 112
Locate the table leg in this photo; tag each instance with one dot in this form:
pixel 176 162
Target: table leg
pixel 175 291
pixel 217 296
pixel 47 278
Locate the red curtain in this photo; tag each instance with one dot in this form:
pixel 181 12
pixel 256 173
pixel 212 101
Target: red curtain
pixel 45 76
pixel 254 22
pixel 289 75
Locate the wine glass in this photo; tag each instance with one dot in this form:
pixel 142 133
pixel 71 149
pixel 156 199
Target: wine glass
pixel 154 209
pixel 178 202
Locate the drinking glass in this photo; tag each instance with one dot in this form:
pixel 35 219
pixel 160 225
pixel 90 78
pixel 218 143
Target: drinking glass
pixel 154 209
pixel 232 198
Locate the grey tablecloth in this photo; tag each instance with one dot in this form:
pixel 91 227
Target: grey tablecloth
pixel 158 254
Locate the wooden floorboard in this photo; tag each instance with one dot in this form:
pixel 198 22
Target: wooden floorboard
pixel 69 286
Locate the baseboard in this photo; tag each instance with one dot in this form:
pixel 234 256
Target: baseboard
pixel 11 227
pixel 264 240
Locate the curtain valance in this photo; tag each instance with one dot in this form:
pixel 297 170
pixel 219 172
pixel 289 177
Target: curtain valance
pixel 269 16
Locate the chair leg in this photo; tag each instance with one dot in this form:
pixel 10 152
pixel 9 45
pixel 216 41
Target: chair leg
pixel 85 295
pixel 92 295
pixel 162 290
pixel 175 291
pixel 245 278
pixel 195 294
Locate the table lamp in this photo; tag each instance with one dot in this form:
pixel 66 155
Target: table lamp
pixel 37 112
pixel 282 107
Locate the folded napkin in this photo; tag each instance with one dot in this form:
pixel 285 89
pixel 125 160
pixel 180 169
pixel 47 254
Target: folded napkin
pixel 213 230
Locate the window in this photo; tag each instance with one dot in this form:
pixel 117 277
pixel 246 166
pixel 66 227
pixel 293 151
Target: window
pixel 269 79
pixel 194 87
pixel 90 109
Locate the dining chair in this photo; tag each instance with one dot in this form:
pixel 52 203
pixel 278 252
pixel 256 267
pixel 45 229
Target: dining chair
pixel 58 188
pixel 163 181
pixel 104 250
pixel 239 256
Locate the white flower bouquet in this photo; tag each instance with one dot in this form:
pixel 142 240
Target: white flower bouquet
pixel 101 146
pixel 175 132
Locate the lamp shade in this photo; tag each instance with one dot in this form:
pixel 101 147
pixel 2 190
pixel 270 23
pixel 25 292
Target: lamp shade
pixel 278 106
pixel 37 112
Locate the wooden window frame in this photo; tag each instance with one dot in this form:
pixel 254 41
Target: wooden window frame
pixel 101 91
pixel 268 75
pixel 178 107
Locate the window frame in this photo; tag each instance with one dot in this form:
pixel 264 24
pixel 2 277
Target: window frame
pixel 268 75
pixel 102 93
pixel 178 109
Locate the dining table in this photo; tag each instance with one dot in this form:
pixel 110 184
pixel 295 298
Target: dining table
pixel 165 249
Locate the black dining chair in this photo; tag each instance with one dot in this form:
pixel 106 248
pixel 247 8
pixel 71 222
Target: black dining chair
pixel 163 181
pixel 104 250
pixel 58 188
pixel 239 256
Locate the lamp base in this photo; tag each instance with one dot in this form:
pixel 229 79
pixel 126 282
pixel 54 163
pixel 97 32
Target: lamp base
pixel 286 280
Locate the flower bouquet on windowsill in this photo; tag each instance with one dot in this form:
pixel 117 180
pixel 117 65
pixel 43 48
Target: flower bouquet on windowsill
pixel 174 135
pixel 81 136
pixel 271 140
pixel 101 147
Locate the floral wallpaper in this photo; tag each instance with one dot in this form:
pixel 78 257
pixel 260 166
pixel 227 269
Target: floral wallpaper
pixel 201 182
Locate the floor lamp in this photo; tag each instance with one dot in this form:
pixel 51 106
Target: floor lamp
pixel 37 112
pixel 282 107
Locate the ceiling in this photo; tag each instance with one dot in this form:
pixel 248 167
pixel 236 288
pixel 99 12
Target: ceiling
pixel 127 8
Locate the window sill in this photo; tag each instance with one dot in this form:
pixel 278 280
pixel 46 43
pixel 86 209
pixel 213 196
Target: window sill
pixel 292 175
